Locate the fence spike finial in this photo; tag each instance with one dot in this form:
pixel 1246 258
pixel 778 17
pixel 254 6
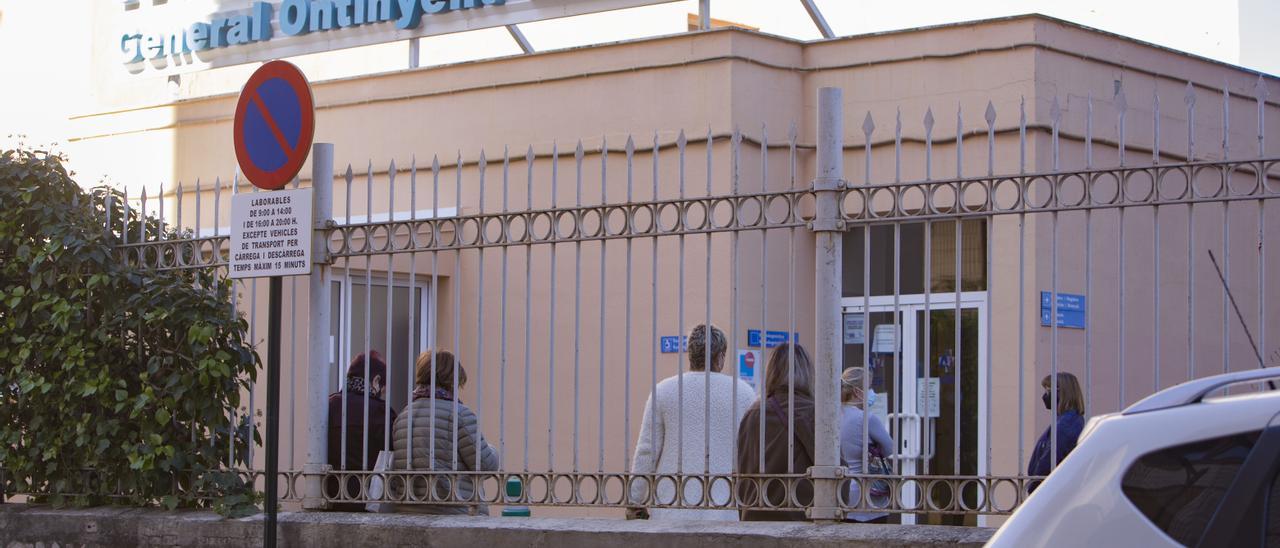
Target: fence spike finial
pixel 577 152
pixel 959 140
pixel 928 121
pixel 435 165
pixel 1155 125
pixel 391 172
pixel 681 141
pixel 868 125
pixel 349 175
pixel 897 145
pixel 990 116
pixel 413 186
pixel 1055 111
pixel 631 145
pixel 1022 134
pixel 1226 121
pixel 483 162
pixel 792 132
pixel 1088 131
pixel 1189 98
pixel 1122 111
pixel 1261 93
pixel 528 155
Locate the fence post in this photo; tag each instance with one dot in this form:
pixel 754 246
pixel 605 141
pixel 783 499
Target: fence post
pixel 318 373
pixel 828 228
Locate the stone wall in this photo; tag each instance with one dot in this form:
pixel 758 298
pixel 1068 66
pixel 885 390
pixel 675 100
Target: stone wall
pixel 39 526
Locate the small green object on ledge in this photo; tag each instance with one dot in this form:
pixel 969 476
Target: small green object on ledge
pixel 514 490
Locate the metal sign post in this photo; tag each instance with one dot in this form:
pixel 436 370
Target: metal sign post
pixel 271 232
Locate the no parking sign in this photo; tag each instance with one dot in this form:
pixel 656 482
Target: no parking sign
pixel 274 124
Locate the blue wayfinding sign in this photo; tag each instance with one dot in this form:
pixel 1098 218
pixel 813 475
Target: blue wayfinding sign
pixel 673 344
pixel 771 338
pixel 1072 310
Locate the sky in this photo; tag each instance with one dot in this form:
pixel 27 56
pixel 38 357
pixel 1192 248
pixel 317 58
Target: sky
pixel 52 82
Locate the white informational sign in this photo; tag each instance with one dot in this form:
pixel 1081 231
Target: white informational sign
pixel 853 329
pixel 749 361
pixel 271 233
pixel 928 395
pixel 885 336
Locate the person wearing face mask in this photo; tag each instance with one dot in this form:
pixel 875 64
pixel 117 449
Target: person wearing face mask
pixel 855 441
pixel 1069 422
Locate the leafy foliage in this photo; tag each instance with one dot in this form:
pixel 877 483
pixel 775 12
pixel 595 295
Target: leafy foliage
pixel 116 382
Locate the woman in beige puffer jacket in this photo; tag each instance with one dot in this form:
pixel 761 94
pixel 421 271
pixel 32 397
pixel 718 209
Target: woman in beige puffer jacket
pixel 437 441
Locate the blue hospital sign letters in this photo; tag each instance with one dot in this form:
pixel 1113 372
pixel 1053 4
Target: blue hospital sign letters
pixel 293 18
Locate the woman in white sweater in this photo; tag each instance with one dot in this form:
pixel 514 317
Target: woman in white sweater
pixel 689 428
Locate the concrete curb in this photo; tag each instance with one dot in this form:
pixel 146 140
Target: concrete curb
pixel 24 525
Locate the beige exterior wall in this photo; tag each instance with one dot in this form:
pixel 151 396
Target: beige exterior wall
pixel 718 81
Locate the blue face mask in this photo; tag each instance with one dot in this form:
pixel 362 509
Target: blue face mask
pixel 871 397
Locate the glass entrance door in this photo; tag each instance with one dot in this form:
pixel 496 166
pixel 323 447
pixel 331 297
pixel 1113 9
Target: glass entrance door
pixel 929 376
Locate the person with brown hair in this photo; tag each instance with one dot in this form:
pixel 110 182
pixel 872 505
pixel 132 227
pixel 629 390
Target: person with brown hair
pixel 445 435
pixel 787 392
pixel 1069 420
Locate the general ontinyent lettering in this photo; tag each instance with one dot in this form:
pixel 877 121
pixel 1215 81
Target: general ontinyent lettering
pixel 295 18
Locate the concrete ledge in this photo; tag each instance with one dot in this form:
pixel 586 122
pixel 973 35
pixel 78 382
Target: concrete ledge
pixel 30 525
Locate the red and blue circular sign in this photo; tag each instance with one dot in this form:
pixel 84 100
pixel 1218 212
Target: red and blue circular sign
pixel 274 124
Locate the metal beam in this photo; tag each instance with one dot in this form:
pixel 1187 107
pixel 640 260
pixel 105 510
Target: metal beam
pixel 818 20
pixel 520 39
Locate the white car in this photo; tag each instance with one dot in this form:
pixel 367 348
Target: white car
pixel 1175 469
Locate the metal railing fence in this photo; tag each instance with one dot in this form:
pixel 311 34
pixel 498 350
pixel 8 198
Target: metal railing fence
pixel 567 281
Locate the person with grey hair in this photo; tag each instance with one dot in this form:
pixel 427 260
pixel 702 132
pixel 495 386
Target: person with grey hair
pixel 690 421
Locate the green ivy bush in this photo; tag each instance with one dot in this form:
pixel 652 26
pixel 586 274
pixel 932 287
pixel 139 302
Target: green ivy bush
pixel 116 382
